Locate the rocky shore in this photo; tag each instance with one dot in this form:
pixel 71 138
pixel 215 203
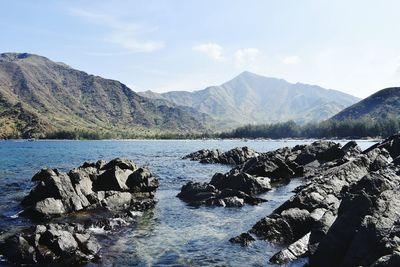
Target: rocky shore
pixel 346 214
pixel 261 171
pixel 118 188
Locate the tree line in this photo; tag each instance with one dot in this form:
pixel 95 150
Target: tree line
pixel 349 128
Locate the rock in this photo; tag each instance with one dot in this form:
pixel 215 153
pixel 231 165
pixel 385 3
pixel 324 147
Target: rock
pixel 121 163
pixel 234 156
pixel 391 260
pixel 284 228
pixel 115 185
pixel 367 225
pixel 319 230
pixel 391 144
pixel 142 181
pixel 241 181
pixel 51 244
pixel 17 249
pixel 50 206
pixel 233 201
pixel 117 201
pixel 244 239
pixel 193 192
pixel 264 166
pixel 293 251
pixel 112 179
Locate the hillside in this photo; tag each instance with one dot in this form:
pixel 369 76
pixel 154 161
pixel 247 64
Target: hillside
pixel 255 99
pixel 39 96
pixel 381 105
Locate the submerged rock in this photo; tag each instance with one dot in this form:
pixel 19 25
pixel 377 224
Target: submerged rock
pixel 116 185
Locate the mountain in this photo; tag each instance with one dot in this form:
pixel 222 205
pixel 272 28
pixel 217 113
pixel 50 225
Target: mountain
pixel 381 105
pixel 39 96
pixel 255 99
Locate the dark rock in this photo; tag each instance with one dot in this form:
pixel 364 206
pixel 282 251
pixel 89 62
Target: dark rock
pixel 366 228
pixel 122 163
pixel 233 201
pixel 244 239
pixel 115 185
pixel 284 228
pixel 51 244
pixel 293 251
pixel 112 179
pixel 391 144
pixel 234 156
pixel 241 181
pixel 142 181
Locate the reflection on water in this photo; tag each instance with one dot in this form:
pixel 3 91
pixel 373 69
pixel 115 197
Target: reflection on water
pixel 173 233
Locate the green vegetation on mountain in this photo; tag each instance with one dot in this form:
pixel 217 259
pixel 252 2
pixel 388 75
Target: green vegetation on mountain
pixel 381 105
pixel 255 99
pixel 42 98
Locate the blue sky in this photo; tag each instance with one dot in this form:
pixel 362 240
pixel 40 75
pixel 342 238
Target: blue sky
pixel 352 46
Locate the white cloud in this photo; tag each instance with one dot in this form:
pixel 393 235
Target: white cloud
pixel 212 50
pixel 246 57
pixel 291 60
pixel 123 34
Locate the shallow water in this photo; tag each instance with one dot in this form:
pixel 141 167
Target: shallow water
pixel 171 234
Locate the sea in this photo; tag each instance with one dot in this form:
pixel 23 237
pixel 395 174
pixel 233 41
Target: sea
pixel 173 233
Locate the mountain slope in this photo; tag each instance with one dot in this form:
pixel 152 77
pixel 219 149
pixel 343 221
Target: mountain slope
pixel 251 98
pixel 59 97
pixel 381 105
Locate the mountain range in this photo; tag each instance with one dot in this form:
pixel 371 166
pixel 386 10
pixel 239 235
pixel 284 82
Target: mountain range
pixel 254 99
pixel 39 96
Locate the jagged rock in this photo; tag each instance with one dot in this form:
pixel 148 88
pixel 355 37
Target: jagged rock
pixel 241 181
pixel 234 156
pixel 49 206
pixel 283 228
pixel 244 239
pixel 363 231
pixel 233 201
pixel 367 226
pixel 293 251
pixel 51 244
pixel 208 194
pixel 142 180
pixel 115 185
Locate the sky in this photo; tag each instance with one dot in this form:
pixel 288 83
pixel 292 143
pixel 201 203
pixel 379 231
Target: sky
pixel 348 45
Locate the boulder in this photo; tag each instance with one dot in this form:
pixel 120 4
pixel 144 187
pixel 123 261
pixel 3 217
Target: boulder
pixel 244 239
pixel 114 185
pixel 293 251
pixel 241 181
pixel 51 244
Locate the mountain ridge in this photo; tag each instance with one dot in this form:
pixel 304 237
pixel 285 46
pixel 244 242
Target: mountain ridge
pixel 256 99
pixel 381 105
pixel 60 97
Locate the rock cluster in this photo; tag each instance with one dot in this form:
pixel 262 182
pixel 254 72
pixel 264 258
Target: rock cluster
pixel 52 243
pixel 347 214
pixel 257 173
pixel 234 156
pixel 118 186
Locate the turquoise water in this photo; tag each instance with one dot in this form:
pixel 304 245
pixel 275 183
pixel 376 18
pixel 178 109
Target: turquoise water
pixel 173 233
